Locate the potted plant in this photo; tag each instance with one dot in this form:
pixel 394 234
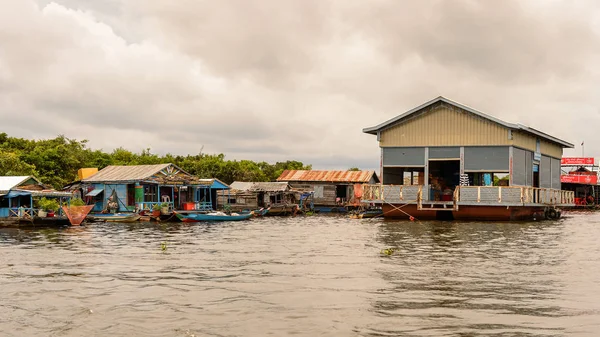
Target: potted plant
pixel 47 205
pixel 156 210
pixel 164 208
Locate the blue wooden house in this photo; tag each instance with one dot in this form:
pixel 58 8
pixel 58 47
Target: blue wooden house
pixel 141 187
pixel 19 195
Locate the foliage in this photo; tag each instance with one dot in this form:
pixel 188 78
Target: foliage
pixel 354 169
pixel 77 202
pixel 48 204
pixel 164 205
pixel 156 207
pixel 56 161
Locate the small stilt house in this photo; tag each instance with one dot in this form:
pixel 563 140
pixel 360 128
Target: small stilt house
pixel 334 191
pixel 141 187
pixel 278 197
pixel 19 196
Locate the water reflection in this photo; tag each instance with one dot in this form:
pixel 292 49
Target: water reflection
pixel 471 278
pixel 304 276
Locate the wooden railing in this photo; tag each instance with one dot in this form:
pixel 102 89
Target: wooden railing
pixel 489 195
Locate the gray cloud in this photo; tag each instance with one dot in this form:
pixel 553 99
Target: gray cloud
pixel 279 80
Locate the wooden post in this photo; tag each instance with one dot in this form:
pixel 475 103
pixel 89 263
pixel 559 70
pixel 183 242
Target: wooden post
pixel 478 193
pixel 500 194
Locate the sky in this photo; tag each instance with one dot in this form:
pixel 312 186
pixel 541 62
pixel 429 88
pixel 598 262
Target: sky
pixel 279 80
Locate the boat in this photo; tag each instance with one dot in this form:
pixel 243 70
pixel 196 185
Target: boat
pixel 370 213
pixel 115 217
pixel 213 216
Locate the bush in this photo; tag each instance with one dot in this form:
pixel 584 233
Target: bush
pixel 156 207
pixel 49 204
pixel 77 202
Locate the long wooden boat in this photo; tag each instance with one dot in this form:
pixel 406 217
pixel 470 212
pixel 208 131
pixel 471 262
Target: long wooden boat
pixel 116 217
pixel 216 216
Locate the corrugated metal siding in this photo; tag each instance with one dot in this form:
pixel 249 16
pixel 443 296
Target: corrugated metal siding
pixel 327 176
pixel 487 158
pixel 404 156
pixel 524 141
pixel 527 141
pixel 520 167
pixel 446 152
pixel 443 125
pixel 545 173
pixel 555 164
pixel 551 150
pixel 529 166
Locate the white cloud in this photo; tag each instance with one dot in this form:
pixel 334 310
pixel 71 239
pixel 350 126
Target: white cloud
pixel 279 80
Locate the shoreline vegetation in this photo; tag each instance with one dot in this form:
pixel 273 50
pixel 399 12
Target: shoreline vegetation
pixel 56 161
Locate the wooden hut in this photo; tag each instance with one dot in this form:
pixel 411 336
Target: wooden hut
pixel 278 197
pixel 334 191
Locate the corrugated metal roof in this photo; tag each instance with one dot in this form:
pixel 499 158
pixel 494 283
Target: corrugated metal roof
pixel 327 176
pixel 125 173
pixel 398 119
pixel 260 186
pixel 9 182
pixel 241 185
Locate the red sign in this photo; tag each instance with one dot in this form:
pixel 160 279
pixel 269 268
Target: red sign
pixel 577 161
pixel 579 179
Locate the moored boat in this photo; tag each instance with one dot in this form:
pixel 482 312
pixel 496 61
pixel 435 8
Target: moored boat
pixel 116 217
pixel 366 214
pixel 213 216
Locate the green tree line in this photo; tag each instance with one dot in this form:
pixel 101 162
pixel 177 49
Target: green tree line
pixel 56 161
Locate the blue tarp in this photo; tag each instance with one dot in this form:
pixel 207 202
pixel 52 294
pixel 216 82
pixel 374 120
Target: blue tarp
pixel 14 194
pixel 94 192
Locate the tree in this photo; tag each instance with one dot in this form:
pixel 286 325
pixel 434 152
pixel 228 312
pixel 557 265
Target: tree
pixel 12 165
pixel 354 169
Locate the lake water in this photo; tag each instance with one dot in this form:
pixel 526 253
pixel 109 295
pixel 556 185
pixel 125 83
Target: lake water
pixel 313 276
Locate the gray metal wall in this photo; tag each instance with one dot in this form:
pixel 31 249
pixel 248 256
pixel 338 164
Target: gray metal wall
pixel 403 156
pixel 519 176
pixel 545 173
pixel 487 158
pixel 555 165
pixel 444 152
pixel 522 167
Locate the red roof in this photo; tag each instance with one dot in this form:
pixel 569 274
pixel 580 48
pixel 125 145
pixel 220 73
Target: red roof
pixel 328 176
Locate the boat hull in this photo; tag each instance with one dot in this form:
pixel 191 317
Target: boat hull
pixel 200 217
pixel 479 213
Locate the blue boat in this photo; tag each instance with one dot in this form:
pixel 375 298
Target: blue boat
pixel 216 216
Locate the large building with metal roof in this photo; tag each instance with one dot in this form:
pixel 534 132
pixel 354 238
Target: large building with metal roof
pixel 441 145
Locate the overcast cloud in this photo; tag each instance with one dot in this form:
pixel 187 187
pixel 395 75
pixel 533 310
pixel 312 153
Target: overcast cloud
pixel 278 80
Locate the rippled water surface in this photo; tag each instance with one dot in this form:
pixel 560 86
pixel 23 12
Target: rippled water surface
pixel 314 276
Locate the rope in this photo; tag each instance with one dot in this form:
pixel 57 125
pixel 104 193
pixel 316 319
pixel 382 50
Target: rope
pixel 398 209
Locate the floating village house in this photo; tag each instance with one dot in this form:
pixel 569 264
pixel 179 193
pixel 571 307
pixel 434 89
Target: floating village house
pixel 580 175
pixel 334 191
pixel 445 160
pixel 19 196
pixel 141 187
pixel 279 197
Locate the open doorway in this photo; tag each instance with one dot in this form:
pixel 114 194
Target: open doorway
pixel 536 175
pixel 444 176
